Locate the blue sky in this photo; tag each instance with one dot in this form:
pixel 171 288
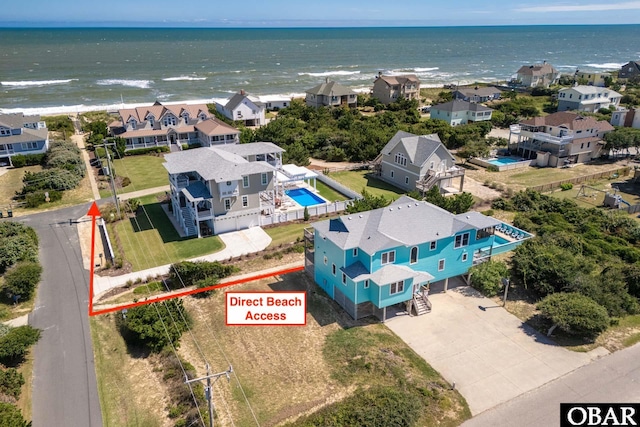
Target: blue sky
pixel 313 13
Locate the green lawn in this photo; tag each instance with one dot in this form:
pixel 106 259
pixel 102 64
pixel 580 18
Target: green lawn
pixel 150 244
pixel 357 180
pixel 329 193
pixel 286 233
pixel 143 171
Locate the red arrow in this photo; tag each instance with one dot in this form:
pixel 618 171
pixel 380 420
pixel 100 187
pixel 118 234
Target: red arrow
pixel 93 213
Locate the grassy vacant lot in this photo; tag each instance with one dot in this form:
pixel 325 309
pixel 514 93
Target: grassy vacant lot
pixel 11 182
pixel 149 244
pixel 286 372
pixel 131 394
pixel 143 171
pixel 358 180
pixel 287 233
pixel 519 179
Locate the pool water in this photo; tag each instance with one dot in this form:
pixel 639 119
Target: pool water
pixel 499 240
pixel 304 197
pixel 501 161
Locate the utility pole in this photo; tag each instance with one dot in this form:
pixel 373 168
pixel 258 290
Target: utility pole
pixel 208 390
pixel 105 144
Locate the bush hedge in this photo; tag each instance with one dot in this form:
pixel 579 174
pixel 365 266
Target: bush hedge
pixel 11 382
pixel 574 313
pixel 10 416
pixel 187 273
pixel 15 344
pixel 37 198
pixel 17 243
pixel 22 279
pixel 148 150
pixel 487 277
pixel 50 179
pixel 21 160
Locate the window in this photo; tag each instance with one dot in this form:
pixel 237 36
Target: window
pixel 388 257
pixel 366 284
pixel 263 179
pixel 333 269
pixel 325 260
pixel 396 287
pixel 582 146
pixel 391 174
pixel 227 204
pixel 414 255
pixel 228 183
pixel 355 251
pixel 245 181
pixel 245 201
pixel 151 121
pixel 588 144
pixel 133 124
pixel 432 246
pixel 401 159
pixel 461 240
pixel 432 165
pixel 465 256
pixel 5 131
pixel 344 279
pixel 406 180
pixel 29 145
pixel 441 265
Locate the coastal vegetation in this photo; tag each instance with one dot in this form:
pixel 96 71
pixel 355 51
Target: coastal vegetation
pixel 589 251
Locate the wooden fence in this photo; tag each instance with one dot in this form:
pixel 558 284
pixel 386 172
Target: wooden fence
pixel 581 179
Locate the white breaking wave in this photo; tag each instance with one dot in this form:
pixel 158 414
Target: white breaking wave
pixel 180 78
pixel 606 65
pixel 424 70
pixel 37 83
pixel 330 73
pixel 142 84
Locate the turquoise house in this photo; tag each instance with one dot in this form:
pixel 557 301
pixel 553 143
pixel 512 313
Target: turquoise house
pixel 373 260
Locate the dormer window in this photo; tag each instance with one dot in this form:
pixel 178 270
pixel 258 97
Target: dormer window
pixel 185 116
pixel 169 121
pixel 133 123
pixel 151 120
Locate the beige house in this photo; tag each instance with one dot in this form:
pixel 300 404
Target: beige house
pixel 388 89
pixel 538 75
pixel 592 78
pixel 331 94
pixel 561 138
pixel 413 162
pixel 173 126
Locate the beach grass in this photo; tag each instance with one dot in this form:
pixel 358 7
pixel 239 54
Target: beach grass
pixel 359 180
pixel 153 241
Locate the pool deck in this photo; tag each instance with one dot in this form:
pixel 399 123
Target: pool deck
pixel 501 167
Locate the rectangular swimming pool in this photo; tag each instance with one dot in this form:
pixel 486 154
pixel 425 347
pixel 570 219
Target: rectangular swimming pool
pixel 304 197
pixel 501 161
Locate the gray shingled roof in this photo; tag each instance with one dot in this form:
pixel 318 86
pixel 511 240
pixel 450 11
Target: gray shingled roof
pixel 330 89
pixel 405 222
pixel 251 149
pixel 17 120
pixel 479 91
pixel 478 220
pixel 237 99
pixel 214 164
pixel 460 105
pixel 419 148
pixel 27 135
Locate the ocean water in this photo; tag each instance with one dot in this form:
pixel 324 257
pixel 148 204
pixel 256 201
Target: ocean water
pixel 51 70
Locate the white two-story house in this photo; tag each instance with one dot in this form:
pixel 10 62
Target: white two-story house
pixel 458 112
pixel 561 138
pixel 20 134
pixel 587 98
pixel 222 188
pixel 243 108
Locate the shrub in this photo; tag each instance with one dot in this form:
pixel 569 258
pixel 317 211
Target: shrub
pixel 205 283
pixel 306 214
pixel 50 179
pixel 18 161
pixel 14 345
pixel 565 186
pixel 488 212
pixel 187 273
pixel 126 181
pixel 148 150
pixel 23 278
pixel 11 382
pixel 10 416
pixel 492 168
pixel 487 277
pixel 575 314
pixel 37 198
pixel 155 325
pixel 16 248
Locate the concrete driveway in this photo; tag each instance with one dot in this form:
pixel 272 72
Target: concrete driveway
pixel 489 354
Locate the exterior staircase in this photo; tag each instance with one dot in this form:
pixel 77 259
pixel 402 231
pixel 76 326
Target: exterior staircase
pixel 421 303
pixel 188 220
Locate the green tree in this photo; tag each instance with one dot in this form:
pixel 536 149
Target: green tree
pixel 10 416
pixel 574 314
pixel 15 248
pixel 155 326
pixel 22 279
pixel 487 277
pixel 15 344
pixel 366 203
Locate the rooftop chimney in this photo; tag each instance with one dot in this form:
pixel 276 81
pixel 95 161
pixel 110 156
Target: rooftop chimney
pixel 242 92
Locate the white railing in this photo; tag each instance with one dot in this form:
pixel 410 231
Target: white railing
pixel 293 215
pixel 541 136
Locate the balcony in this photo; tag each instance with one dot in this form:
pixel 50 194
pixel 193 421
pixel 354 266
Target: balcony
pixel 229 193
pixel 545 137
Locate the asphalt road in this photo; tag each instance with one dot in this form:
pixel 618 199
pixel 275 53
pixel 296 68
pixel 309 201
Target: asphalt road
pixel 65 392
pixel 611 379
